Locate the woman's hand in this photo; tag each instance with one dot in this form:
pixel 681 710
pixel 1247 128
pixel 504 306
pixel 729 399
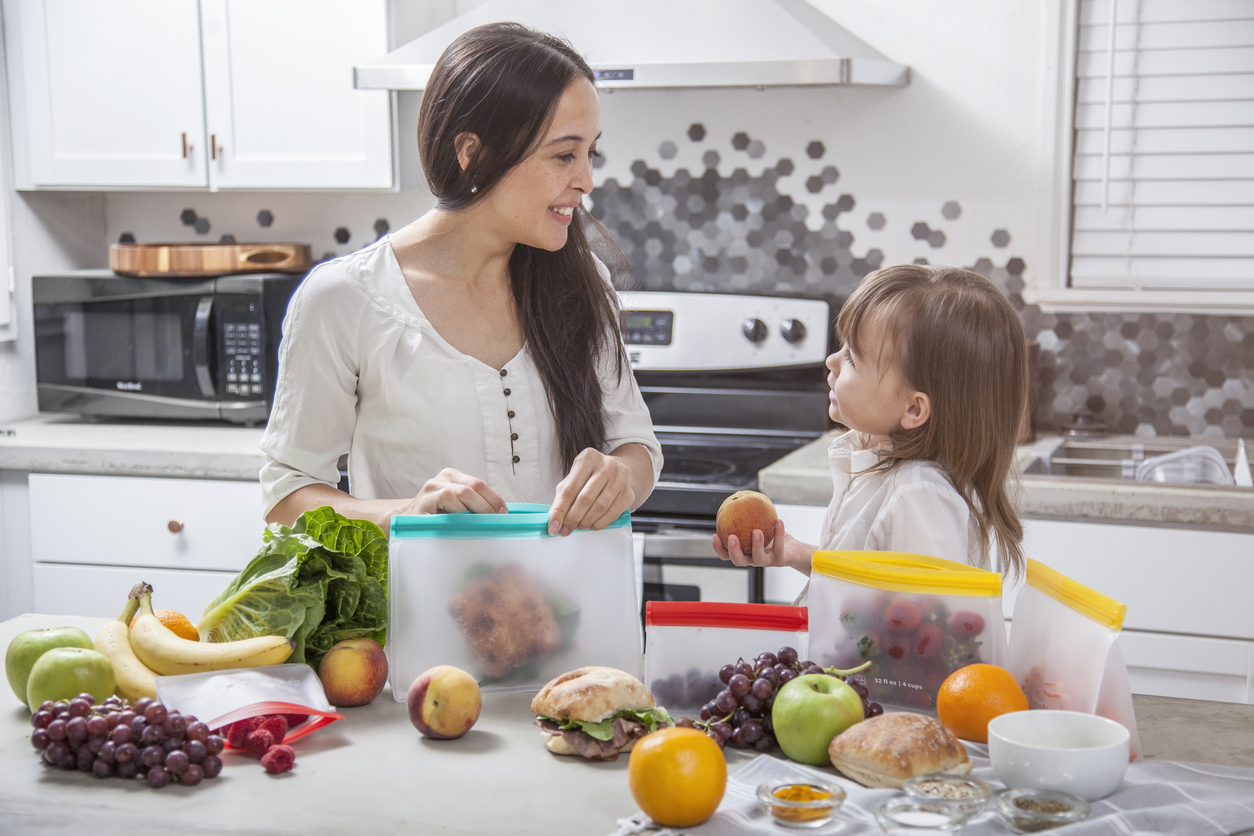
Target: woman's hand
pixel 784 550
pixel 596 491
pixel 452 491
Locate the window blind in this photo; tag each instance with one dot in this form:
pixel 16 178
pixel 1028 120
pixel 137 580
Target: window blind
pixel 1163 174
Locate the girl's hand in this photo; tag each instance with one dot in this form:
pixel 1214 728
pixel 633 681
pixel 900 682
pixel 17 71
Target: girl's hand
pixel 784 550
pixel 595 492
pixel 452 491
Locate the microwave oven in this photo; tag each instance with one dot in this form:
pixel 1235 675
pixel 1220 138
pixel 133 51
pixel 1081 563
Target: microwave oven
pixel 165 348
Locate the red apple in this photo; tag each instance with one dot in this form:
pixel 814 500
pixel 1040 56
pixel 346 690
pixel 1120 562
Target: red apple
pixel 741 514
pixel 444 702
pixel 353 672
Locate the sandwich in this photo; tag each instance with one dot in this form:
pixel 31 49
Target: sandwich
pixel 596 712
pixel 883 751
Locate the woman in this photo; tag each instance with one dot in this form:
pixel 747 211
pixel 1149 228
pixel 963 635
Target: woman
pixel 473 357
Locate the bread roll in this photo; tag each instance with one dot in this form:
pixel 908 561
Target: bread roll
pixel 591 695
pixel 884 751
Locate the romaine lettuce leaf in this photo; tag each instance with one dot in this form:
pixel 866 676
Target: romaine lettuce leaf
pixel 319 582
pixel 604 730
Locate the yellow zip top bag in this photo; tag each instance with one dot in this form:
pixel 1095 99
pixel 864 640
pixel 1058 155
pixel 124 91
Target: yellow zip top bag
pixel 915 618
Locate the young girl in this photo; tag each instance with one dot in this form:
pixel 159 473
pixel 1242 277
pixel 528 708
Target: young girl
pixel 931 381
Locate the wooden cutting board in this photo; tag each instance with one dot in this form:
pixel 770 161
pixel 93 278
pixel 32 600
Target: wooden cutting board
pixel 190 260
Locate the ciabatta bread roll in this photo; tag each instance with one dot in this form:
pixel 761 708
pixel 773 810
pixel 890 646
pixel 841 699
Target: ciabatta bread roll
pixel 884 751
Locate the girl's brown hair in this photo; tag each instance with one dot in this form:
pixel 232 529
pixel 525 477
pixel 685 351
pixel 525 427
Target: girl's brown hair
pixel 955 337
pixel 502 82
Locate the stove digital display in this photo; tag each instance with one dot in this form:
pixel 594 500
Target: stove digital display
pixel 647 327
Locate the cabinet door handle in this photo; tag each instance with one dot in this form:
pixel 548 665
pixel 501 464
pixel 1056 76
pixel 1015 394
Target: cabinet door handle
pixel 214 148
pixel 175 526
pixel 187 146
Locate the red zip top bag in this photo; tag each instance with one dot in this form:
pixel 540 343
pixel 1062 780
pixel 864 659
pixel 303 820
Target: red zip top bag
pixel 688 642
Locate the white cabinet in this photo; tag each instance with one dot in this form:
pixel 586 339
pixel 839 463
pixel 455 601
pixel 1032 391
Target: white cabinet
pixel 805 522
pixel 1189 630
pixel 92 538
pixel 181 94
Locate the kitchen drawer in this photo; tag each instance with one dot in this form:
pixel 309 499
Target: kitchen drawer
pixel 1193 581
pixel 101 591
pixel 1191 667
pixel 127 521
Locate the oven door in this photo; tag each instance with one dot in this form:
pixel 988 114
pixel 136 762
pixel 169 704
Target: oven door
pixel 680 565
pixel 120 348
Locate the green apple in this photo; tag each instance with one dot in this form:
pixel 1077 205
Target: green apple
pixel 65 672
pixel 809 711
pixel 27 647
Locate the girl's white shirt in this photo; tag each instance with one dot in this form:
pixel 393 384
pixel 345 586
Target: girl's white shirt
pixel 362 370
pixel 913 507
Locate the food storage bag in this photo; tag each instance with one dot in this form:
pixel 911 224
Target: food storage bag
pixel 220 698
pixel 1064 648
pixel 499 597
pixel 916 619
pixel 688 642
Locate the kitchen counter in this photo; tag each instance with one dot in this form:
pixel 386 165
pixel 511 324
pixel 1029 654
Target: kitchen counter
pixel 374 773
pixel 67 444
pixel 803 477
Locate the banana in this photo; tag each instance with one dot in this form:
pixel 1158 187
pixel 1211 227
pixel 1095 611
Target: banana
pixel 134 679
pixel 169 655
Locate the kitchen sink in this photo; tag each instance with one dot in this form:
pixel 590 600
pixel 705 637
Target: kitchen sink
pixel 1114 457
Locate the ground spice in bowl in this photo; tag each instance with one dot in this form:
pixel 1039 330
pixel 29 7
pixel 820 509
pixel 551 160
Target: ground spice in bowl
pixel 800 804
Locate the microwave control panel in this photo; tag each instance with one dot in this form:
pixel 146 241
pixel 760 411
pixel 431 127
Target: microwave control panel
pixel 242 347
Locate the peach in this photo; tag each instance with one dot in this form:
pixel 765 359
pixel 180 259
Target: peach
pixel 444 702
pixel 353 672
pixel 744 512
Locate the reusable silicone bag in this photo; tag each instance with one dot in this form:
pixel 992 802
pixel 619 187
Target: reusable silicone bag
pixel 499 597
pixel 1064 648
pixel 687 642
pixel 916 619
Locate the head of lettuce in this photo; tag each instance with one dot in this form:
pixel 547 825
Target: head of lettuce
pixel 321 581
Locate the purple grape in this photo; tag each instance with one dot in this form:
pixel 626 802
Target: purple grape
pixel 751 703
pixel 875 710
pixel 39 739
pixel 806 663
pixel 725 673
pixel 95 743
pixel 127 769
pixel 770 658
pixel 764 743
pixel 121 734
pixel 752 731
pixel 47 705
pixel 198 731
pixel 125 752
pixel 80 707
pixel 705 713
pixel 739 685
pixel 86 760
pixel 744 669
pixel 125 717
pixel 725 701
pixel 812 669
pixel 196 751
pixel 141 704
pixel 192 775
pixel 97 725
pixel 177 761
pixel 155 713
pixel 723 730
pixel 137 726
pixel 41 718
pixel 171 743
pixel 762 687
pixel 158 778
pixel 771 675
pixel 152 755
pixel 770 702
pixel 56 751
pixel 76 730
pixel 111 720
pixel 768 724
pixel 786 677
pixel 102 768
pixel 175 725
pixel 212 765
pixel 56 730
pixel 787 656
pixel 740 718
pixel 859 689
pixel 737 740
pixel 214 744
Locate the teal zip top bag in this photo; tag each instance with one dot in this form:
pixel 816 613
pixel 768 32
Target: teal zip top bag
pixel 501 598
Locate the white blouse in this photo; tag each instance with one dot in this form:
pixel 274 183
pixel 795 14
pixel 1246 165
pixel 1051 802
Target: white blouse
pixel 362 371
pixel 912 508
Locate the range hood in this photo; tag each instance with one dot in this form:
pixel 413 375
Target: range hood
pixel 667 43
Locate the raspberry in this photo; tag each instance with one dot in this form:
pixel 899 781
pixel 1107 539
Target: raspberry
pixel 258 742
pixel 294 720
pixel 903 616
pixel 239 730
pixel 276 725
pixel 279 759
pixel 928 641
pixel 965 624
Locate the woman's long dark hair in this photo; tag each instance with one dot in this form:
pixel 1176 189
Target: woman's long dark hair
pixel 502 82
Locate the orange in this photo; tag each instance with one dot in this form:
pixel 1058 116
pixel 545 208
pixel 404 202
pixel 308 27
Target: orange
pixel 971 696
pixel 677 776
pixel 178 624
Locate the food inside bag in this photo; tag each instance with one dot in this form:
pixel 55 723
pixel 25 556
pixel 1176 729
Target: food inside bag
pixel 1064 648
pixel 915 618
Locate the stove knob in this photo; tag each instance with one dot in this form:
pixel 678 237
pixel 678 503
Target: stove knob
pixel 793 330
pixel 754 330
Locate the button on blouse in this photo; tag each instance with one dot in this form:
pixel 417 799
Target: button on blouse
pixel 362 370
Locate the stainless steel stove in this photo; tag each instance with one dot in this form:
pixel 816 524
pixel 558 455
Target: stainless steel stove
pixel 733 384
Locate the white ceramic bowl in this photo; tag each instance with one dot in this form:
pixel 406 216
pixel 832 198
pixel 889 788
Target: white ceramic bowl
pixel 1068 751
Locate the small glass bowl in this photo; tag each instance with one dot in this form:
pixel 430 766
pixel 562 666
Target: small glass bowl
pixel 801 814
pixel 1032 810
pixel 903 815
pixel 961 791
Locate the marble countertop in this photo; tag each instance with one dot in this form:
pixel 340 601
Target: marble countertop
pixel 803 477
pixel 66 444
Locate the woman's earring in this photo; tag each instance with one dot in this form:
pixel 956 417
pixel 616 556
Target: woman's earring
pixel 474 189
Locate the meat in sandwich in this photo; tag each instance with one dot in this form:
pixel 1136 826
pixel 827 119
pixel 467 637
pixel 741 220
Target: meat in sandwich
pixel 596 712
